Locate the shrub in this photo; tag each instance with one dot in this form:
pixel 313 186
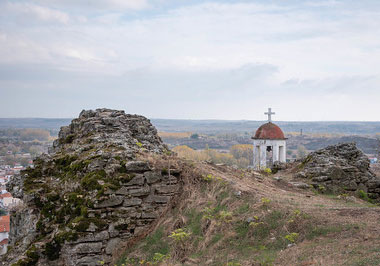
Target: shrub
pixel 292 237
pixel 179 235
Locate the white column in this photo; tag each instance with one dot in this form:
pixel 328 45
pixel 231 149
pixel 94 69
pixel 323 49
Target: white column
pixel 275 152
pixel 284 153
pixel 263 156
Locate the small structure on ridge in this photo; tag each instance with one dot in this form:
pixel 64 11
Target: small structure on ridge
pixel 269 144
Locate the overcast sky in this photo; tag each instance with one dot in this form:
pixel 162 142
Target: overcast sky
pixel 308 60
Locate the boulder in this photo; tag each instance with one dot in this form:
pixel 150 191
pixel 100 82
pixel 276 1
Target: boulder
pixel 339 168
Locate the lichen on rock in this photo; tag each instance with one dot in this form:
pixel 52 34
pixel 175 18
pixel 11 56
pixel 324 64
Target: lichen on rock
pixel 93 191
pixel 340 168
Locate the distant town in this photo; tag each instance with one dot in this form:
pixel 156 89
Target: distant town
pixel 18 148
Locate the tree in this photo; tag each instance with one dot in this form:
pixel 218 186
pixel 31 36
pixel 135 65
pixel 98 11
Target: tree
pixel 194 136
pixel 301 151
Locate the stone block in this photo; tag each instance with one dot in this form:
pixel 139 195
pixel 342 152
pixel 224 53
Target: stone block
pixel 149 215
pixel 111 202
pixel 321 178
pixel 157 199
pixel 138 180
pixel 132 202
pixel 152 177
pixel 166 189
pixel 87 248
pixel 112 245
pixel 144 191
pixel 137 166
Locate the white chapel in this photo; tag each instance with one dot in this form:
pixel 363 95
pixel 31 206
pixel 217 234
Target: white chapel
pixel 269 144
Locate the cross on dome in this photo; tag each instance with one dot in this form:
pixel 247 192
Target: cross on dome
pixel 269 114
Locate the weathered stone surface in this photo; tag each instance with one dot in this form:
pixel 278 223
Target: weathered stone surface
pixel 143 191
pixel 137 166
pixel 89 260
pixel 149 215
pixel 97 157
pixel 340 168
pixel 112 244
pixel 137 180
pixel 152 177
pixel 87 248
pixel 300 185
pixel 166 189
pixel 132 202
pixel 111 202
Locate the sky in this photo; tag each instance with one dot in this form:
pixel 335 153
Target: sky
pixel 189 59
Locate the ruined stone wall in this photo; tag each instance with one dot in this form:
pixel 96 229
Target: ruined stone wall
pixel 129 211
pixel 92 193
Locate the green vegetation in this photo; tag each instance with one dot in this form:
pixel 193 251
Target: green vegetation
pixel 363 195
pixel 31 259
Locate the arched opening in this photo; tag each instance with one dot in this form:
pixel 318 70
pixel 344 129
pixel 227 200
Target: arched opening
pixel 269 155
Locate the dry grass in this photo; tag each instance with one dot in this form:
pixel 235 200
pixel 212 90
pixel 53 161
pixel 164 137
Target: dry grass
pixel 330 231
pixel 175 135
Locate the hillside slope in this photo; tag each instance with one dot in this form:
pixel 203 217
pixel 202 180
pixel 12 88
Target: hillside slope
pixel 231 217
pixel 109 192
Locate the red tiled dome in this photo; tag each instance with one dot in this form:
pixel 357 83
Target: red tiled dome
pixel 269 131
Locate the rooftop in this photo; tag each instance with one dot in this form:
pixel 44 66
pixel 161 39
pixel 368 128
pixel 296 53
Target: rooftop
pixel 269 131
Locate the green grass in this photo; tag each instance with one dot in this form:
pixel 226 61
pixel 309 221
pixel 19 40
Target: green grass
pixel 154 243
pixel 243 209
pixel 372 260
pixel 216 238
pixel 318 231
pixel 194 223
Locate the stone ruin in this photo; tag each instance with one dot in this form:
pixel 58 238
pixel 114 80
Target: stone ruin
pixel 92 193
pixel 340 168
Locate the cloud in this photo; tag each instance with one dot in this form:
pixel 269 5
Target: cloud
pixel 27 12
pixel 198 57
pixel 96 5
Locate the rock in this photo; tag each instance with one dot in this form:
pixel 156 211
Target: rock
pixel 152 177
pixel 111 202
pixel 237 193
pixel 143 191
pixel 300 185
pixel 112 244
pixel 157 199
pixel 89 260
pixel 321 178
pixel 167 189
pixel 92 169
pixel 87 248
pixel 340 168
pixel 137 167
pixel 137 180
pixel 149 215
pixel 132 202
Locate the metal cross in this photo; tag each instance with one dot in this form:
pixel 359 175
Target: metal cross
pixel 269 114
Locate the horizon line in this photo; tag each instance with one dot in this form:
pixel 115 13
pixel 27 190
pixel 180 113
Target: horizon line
pixel 213 119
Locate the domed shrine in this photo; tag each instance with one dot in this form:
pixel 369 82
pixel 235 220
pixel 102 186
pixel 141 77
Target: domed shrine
pixel 269 144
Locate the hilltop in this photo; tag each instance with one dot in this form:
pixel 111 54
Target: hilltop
pixel 110 192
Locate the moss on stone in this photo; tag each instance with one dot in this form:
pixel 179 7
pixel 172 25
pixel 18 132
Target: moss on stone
pixel 31 259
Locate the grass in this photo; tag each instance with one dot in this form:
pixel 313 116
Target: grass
pixel 152 244
pixel 318 231
pixel 194 221
pixel 235 240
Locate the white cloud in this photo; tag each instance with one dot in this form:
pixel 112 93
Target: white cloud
pixel 249 55
pixel 100 5
pixel 29 12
